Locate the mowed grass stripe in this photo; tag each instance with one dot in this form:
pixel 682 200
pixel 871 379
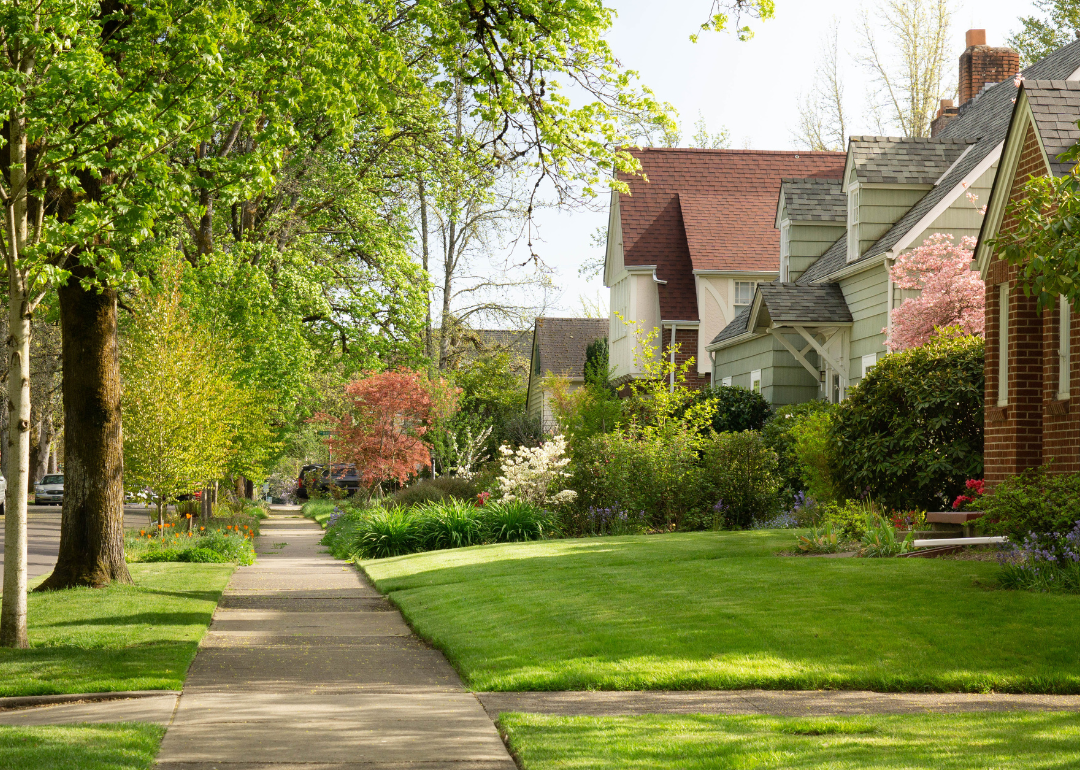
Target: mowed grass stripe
pixel 720 610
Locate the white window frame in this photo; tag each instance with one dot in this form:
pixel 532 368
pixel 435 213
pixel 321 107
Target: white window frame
pixel 853 223
pixel 755 381
pixel 1064 349
pixel 726 382
pixel 735 293
pixel 868 362
pixel 785 252
pixel 1003 345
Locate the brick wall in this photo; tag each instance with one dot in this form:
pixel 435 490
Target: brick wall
pixel 686 340
pixel 1035 427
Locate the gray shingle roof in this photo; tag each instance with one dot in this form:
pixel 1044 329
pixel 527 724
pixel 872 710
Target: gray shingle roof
pixel 818 304
pixel 814 200
pixel 735 328
pixel 561 342
pixel 985 118
pixel 894 160
pixel 1056 107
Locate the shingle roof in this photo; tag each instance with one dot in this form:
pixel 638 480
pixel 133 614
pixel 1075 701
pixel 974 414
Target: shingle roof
pixel 1055 104
pixel 894 160
pixel 561 343
pixel 818 304
pixel 984 118
pixel 708 210
pixel 789 303
pixel 814 200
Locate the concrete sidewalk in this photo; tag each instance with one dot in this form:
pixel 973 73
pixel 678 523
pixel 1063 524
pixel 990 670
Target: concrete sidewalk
pixel 306 665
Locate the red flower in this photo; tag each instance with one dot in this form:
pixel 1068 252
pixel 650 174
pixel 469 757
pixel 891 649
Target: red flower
pixel 961 500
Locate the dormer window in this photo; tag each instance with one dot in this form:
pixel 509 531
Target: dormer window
pixel 785 252
pixel 853 224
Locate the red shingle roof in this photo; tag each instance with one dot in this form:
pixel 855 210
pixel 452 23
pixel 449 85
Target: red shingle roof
pixel 709 210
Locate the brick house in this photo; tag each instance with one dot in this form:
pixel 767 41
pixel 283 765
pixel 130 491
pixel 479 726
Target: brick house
pixel 689 244
pixel 1031 371
pixel 895 193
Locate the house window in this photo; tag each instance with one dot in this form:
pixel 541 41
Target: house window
pixel 785 252
pixel 1003 345
pixel 744 292
pixel 1064 357
pixel 853 225
pixel 868 362
pixel 755 380
pixel 726 382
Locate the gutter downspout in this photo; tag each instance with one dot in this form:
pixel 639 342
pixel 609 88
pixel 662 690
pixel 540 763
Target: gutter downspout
pixel 889 291
pixel 671 347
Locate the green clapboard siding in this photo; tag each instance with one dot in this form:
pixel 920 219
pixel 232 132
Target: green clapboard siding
pixel 879 209
pixel 867 296
pixel 808 242
pixel 783 379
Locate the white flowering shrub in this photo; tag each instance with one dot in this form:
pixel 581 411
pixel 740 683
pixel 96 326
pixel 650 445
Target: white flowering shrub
pixel 535 474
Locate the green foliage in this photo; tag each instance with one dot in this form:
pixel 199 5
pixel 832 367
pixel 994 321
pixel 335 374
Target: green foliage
pixel 779 433
pixel 733 409
pixel 1040 36
pixel 850 517
pixel 492 394
pixel 449 524
pixel 911 432
pixel 813 454
pixel 211 546
pixel 516 521
pixel 823 539
pixel 383 533
pixel 433 490
pixel 880 538
pixel 597 362
pixel 740 477
pixel 1034 501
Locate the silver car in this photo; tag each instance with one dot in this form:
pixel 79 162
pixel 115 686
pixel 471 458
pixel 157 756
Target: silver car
pixel 50 490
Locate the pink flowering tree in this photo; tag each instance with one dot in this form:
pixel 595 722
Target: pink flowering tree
pixel 952 294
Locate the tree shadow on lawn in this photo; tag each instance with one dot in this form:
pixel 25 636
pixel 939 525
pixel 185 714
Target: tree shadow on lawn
pixel 651 613
pixel 201 618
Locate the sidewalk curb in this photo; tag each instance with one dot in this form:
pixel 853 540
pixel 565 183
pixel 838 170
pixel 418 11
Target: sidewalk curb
pixel 31 701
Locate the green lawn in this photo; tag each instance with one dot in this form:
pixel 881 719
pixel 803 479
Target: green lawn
pixel 140 637
pixel 719 611
pixel 1024 741
pixel 319 510
pixel 130 746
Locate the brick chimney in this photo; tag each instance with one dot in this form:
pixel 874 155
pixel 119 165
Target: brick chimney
pixel 946 112
pixel 981 65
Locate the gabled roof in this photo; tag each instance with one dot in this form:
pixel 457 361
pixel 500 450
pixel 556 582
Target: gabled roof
pixel 711 210
pixel 739 325
pixel 894 160
pixel 984 119
pixel 1055 105
pixel 813 200
pixel 789 303
pixel 560 344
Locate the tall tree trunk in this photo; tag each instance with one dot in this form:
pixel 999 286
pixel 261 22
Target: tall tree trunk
pixel 429 347
pixel 13 606
pixel 92 524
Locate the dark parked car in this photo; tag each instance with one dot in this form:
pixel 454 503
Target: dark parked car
pixel 342 475
pixel 50 490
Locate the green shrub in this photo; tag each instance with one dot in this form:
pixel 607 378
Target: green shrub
pixel 1033 502
pixel 849 517
pixel 734 409
pixel 814 455
pixel 379 534
pixel 516 521
pixel 211 546
pixel 880 538
pixel 202 555
pixel 740 477
pixel 780 436
pixel 433 491
pixel 911 432
pixel 823 539
pixel 449 524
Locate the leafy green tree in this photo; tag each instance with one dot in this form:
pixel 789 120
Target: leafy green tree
pixel 732 409
pixel 910 434
pixel 178 401
pixel 1040 35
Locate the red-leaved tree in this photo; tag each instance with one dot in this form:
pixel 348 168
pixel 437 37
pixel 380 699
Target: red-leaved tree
pixel 389 415
pixel 952 293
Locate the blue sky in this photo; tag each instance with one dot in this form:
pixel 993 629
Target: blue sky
pixel 751 88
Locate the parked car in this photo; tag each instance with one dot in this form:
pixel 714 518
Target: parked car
pixel 343 475
pixel 50 490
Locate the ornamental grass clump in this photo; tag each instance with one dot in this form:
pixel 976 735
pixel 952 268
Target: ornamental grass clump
pixel 382 533
pixel 879 540
pixel 449 524
pixel 1046 562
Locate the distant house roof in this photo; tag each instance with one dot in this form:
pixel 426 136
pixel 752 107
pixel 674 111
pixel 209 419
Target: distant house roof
pixel 465 344
pixel 1055 105
pixel 814 200
pixel 984 118
pixel 708 210
pixel 559 345
pixel 894 160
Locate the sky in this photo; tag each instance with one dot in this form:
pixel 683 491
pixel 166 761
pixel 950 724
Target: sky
pixel 751 88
